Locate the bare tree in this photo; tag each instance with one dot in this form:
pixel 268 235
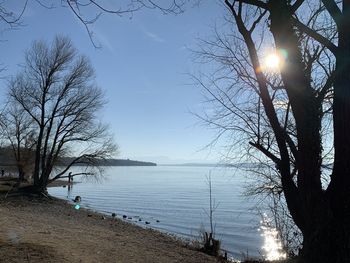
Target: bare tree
pixel 56 89
pixel 211 245
pixel 296 119
pixel 18 132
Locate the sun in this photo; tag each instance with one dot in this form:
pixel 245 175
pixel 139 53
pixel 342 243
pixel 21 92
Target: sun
pixel 273 62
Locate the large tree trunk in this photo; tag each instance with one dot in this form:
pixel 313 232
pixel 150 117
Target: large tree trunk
pixel 36 172
pixel 327 243
pixel 34 190
pixel 340 185
pixel 339 188
pixel 322 217
pixel 20 174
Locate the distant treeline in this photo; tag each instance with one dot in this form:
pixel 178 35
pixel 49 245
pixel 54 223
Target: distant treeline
pixel 108 162
pixel 7 159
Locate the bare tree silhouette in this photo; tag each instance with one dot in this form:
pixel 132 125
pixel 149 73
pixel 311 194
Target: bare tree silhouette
pixel 56 90
pixel 295 120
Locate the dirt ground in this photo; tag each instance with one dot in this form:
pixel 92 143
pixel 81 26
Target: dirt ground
pixel 33 230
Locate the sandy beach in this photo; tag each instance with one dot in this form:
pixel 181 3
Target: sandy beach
pixel 33 230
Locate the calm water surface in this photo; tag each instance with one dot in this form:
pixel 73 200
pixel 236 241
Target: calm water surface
pixel 177 197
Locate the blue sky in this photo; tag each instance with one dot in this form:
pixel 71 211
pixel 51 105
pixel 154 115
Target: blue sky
pixel 142 67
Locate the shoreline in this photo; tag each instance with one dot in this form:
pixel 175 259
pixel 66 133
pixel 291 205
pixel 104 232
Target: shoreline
pixel 61 183
pixel 51 230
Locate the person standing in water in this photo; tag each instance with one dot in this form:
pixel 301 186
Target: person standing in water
pixel 70 178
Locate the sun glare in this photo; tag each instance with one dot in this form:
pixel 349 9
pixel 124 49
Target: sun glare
pixel 273 62
pixel 272 247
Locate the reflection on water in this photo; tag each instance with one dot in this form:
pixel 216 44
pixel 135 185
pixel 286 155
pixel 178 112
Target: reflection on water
pixel 273 248
pixel 175 200
pixel 70 186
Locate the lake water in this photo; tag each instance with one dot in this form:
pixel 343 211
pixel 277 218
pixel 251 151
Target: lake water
pixel 176 200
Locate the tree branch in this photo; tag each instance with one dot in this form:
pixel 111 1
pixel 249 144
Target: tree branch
pixel 296 5
pixel 266 152
pixel 333 10
pixel 318 37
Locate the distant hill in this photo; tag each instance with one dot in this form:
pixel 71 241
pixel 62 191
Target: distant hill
pixel 228 165
pixel 109 162
pixel 126 162
pixel 195 165
pixel 7 159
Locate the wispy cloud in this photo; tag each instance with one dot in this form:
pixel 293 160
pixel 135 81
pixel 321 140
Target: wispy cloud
pixel 154 36
pixel 106 43
pixel 103 40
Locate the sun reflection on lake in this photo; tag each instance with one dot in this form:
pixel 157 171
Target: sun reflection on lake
pixel 272 247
